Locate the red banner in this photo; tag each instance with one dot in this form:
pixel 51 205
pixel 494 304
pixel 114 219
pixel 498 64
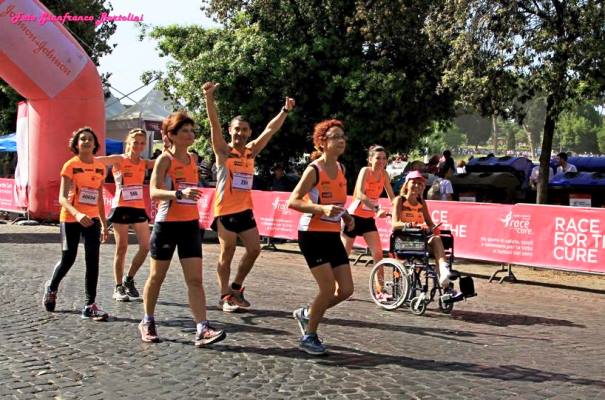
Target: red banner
pixel 8 196
pixel 557 237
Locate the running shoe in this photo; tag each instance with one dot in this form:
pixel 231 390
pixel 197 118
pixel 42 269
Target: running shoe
pixel 148 332
pixel 131 290
pixel 227 304
pixel 312 345
pixel 237 298
pixel 301 316
pixel 451 296
pixel 208 336
pixel 383 297
pixel 94 312
pixel 50 297
pixel 119 294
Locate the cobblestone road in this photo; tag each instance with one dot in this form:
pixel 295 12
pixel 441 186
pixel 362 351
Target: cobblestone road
pixel 513 341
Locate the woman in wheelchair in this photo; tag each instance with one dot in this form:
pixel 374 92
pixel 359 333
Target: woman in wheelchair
pixel 410 211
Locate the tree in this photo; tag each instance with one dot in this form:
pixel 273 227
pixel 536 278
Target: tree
pixel 553 47
pixel 578 129
pixel 476 128
pixel 93 39
pixel 371 67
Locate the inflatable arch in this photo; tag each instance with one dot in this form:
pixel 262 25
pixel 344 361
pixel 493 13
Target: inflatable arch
pixel 45 64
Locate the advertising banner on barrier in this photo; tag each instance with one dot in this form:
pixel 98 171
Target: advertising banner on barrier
pixel 8 196
pixel 556 237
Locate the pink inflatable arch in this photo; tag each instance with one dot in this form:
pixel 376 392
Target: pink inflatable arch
pixel 46 65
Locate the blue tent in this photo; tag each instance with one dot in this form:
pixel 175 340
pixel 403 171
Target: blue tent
pixel 8 143
pixel 113 146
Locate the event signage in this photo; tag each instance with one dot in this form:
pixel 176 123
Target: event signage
pixel 556 237
pixel 537 235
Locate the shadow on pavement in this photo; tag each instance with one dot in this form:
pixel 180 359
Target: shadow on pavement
pixel 28 238
pixel 483 318
pixel 340 356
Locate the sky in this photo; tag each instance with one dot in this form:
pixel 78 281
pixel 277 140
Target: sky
pixel 131 57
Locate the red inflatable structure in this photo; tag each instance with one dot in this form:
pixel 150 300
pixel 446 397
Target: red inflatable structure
pixel 47 66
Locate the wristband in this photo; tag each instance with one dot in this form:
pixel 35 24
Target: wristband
pixel 284 109
pixel 178 194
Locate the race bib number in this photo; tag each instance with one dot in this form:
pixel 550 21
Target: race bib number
pixel 241 181
pixel 335 218
pixel 88 196
pixel 183 186
pixel 132 192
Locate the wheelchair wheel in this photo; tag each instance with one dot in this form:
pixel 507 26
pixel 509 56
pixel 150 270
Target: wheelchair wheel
pixel 389 284
pixel 445 308
pixel 418 305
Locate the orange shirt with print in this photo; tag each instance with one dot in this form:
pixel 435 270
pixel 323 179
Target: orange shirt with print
pixel 325 191
pixel 129 178
pixel 86 179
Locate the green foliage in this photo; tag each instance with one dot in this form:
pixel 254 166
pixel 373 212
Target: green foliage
pixel 94 40
pixel 578 129
pixel 476 128
pixel 372 67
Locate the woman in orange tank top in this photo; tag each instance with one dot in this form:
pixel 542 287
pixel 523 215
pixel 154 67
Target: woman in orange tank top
pixel 410 211
pixel 320 195
pixel 128 207
pixel 371 182
pixel 233 217
pixel 174 184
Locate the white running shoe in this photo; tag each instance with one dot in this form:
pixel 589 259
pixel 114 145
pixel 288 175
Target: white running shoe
pixel 119 294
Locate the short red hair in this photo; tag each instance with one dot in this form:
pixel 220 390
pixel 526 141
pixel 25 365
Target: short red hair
pixel 319 134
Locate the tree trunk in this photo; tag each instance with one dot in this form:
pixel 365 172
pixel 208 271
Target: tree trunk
pixel 532 149
pixel 495 133
pixel 549 130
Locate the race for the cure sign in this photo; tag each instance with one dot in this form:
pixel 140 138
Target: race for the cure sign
pixel 578 239
pixel 554 237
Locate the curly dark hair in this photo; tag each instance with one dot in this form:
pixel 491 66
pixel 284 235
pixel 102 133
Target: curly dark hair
pixel 73 142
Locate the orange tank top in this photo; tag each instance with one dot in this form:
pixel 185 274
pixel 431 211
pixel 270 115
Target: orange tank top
pixel 372 188
pixel 325 191
pixel 86 179
pixel 413 214
pixel 129 178
pixel 234 183
pixel 178 177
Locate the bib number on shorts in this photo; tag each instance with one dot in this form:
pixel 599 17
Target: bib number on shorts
pixel 132 192
pixel 241 181
pixel 88 196
pixel 183 186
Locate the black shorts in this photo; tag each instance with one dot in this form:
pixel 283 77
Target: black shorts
pixel 322 247
pixel 238 222
pixel 184 235
pixel 127 215
pixel 362 225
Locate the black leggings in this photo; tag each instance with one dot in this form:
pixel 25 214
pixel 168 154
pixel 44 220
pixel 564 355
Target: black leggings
pixel 70 239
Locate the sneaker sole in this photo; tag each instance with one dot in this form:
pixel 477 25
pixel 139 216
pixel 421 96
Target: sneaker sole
pixel 313 352
pixel 122 300
pixel 206 342
pixel 229 309
pixel 97 319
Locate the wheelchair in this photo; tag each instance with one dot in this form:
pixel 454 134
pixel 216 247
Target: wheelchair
pixel 408 278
